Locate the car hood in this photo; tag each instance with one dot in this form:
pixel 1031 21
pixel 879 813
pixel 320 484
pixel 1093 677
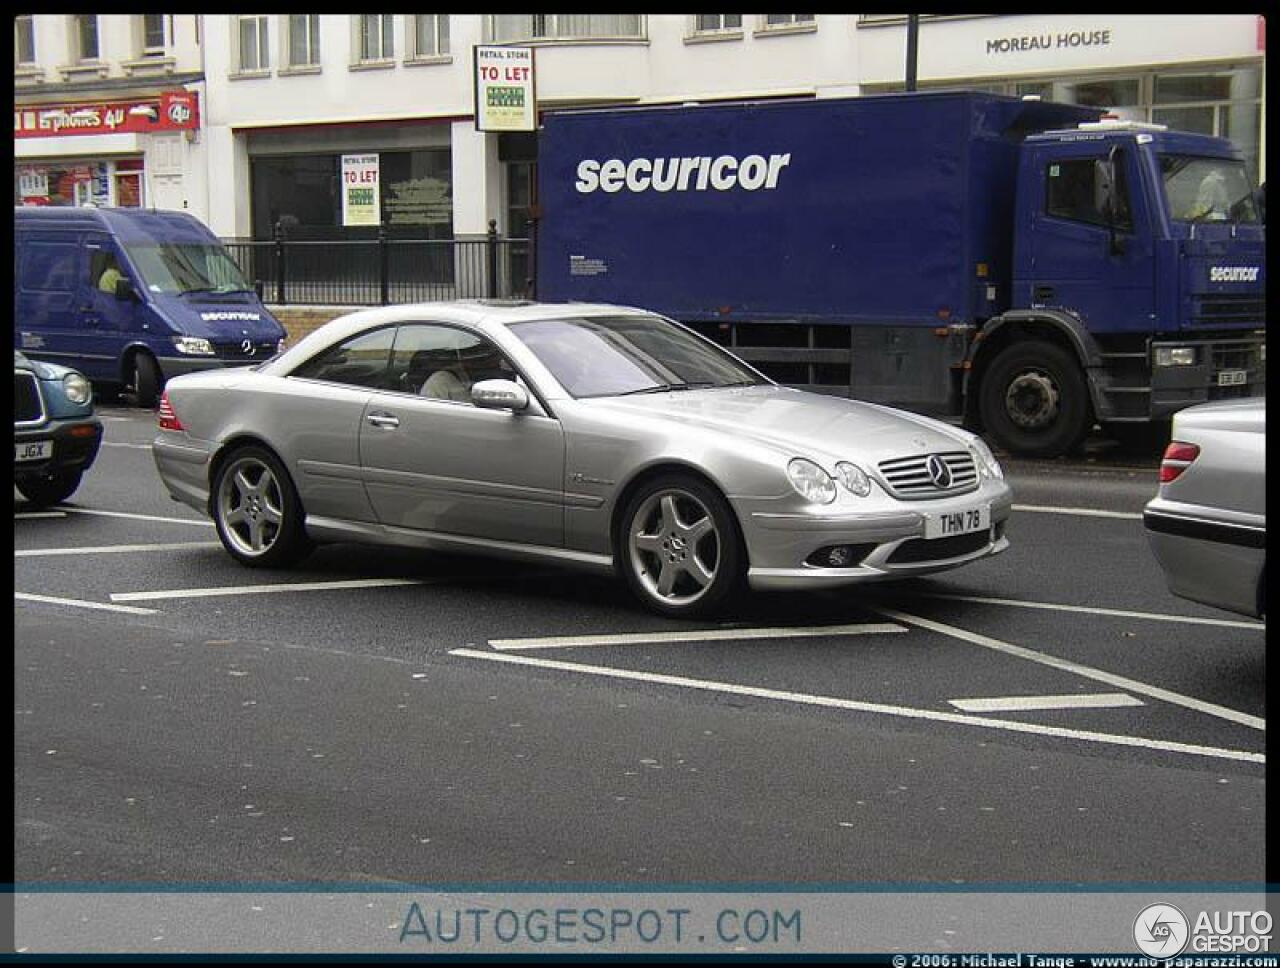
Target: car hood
pixel 795 422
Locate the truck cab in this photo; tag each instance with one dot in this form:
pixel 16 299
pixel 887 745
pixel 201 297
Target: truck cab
pixel 1140 252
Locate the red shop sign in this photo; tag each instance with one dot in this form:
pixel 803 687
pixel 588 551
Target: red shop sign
pixel 172 111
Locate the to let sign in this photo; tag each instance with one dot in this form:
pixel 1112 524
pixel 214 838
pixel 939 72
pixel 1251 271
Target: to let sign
pixel 360 204
pixel 505 89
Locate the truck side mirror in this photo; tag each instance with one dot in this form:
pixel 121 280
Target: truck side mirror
pixel 124 289
pixel 1105 180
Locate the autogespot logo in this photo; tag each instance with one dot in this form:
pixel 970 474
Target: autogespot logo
pixel 1161 931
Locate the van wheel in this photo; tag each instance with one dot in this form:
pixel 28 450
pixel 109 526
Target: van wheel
pixel 146 380
pixel 49 489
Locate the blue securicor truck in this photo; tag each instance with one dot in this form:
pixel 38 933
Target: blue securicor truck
pixel 1034 267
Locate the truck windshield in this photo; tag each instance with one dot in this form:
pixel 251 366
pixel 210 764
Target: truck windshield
pixel 614 355
pixel 1202 189
pixel 186 267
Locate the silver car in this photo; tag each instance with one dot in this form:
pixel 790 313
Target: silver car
pixel 595 436
pixel 1208 523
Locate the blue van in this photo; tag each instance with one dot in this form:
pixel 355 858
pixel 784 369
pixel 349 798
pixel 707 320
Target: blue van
pixel 131 297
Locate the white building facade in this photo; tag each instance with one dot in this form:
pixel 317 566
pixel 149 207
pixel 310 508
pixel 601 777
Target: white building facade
pixel 283 97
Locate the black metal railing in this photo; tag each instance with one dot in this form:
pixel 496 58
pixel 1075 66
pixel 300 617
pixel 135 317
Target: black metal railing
pixel 384 269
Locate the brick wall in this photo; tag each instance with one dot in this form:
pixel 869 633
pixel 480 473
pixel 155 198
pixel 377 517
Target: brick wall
pixel 298 321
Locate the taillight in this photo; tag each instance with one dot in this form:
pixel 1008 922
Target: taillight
pixel 168 419
pixel 1177 458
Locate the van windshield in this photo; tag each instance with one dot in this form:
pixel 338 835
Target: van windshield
pixel 186 267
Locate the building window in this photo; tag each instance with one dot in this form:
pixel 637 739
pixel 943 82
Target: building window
pixel 153 35
pixel 24 39
pixel 506 27
pixel 85 37
pixel 304 39
pixel 707 23
pixel 1226 102
pixel 430 34
pixel 251 35
pixel 376 39
pixel 772 20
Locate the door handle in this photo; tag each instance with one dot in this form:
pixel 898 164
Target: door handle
pixel 383 420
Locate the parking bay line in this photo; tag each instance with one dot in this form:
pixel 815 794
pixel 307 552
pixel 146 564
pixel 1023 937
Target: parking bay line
pixel 141 517
pixel 1091 610
pixel 77 603
pixel 1088 672
pixel 1082 512
pixel 33 515
pixel 693 635
pixel 1009 704
pixel 307 586
pixel 905 712
pixel 114 549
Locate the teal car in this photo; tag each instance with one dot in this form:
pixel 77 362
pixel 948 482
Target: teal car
pixel 55 434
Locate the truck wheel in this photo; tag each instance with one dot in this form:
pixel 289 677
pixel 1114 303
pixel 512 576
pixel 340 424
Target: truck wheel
pixel 1034 400
pixel 50 489
pixel 146 380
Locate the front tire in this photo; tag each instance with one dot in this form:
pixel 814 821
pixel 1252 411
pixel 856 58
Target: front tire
pixel 256 510
pixel 147 380
pixel 1034 400
pixel 679 548
pixel 50 489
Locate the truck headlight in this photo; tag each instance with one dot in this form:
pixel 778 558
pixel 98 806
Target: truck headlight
pixel 77 388
pixel 988 466
pixel 193 346
pixel 811 482
pixel 854 478
pixel 1175 356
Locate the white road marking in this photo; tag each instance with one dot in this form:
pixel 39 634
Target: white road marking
pixel 1120 682
pixel 49 600
pixel 1104 700
pixel 107 443
pixel 693 635
pixel 1116 612
pixel 832 702
pixel 31 515
pixel 114 549
pixel 1082 512
pixel 141 517
pixel 306 586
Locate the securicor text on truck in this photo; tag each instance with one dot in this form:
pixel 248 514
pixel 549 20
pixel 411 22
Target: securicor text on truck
pixel 1030 266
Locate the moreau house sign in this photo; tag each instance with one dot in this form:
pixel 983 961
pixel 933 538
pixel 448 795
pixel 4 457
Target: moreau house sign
pixel 1050 41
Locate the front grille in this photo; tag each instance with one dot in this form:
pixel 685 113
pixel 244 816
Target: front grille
pixel 909 477
pixel 1220 309
pixel 28 406
pixel 1236 356
pixel 234 350
pixel 939 549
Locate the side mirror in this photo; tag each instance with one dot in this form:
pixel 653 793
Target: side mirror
pixel 124 289
pixel 499 395
pixel 1106 181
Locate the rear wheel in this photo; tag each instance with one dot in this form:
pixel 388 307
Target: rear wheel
pixel 679 548
pixel 1034 400
pixel 147 380
pixel 49 489
pixel 257 511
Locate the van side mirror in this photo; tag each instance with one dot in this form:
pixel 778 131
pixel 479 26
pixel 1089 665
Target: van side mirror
pixel 124 289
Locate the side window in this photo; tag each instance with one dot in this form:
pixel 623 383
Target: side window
pixel 360 361
pixel 49 266
pixel 442 362
pixel 1076 189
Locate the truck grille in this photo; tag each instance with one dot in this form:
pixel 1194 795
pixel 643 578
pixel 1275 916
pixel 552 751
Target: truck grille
pixel 910 477
pixel 28 405
pixel 1222 309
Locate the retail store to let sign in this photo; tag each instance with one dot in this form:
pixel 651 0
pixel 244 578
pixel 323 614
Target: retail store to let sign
pixel 505 89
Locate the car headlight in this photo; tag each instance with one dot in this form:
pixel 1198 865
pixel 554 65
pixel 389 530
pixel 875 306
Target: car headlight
pixel 77 388
pixel 811 482
pixel 988 466
pixel 280 346
pixel 853 478
pixel 193 346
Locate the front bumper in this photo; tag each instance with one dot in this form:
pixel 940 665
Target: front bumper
pixel 888 538
pixel 75 443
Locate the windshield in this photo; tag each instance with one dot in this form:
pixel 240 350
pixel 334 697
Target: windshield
pixel 186 267
pixel 605 356
pixel 1207 189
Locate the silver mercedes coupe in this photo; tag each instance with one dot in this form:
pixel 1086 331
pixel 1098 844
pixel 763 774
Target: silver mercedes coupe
pixel 601 437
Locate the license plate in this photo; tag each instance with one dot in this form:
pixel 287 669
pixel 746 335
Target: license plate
pixel 33 450
pixel 951 523
pixel 1233 378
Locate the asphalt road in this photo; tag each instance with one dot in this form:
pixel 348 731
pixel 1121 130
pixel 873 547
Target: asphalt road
pixel 179 718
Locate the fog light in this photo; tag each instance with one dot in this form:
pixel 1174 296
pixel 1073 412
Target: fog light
pixel 841 556
pixel 1175 356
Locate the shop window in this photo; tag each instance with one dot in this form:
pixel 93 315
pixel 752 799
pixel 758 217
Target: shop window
pixel 24 39
pixel 430 35
pixel 251 42
pixel 304 39
pixel 129 189
pixel 505 27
